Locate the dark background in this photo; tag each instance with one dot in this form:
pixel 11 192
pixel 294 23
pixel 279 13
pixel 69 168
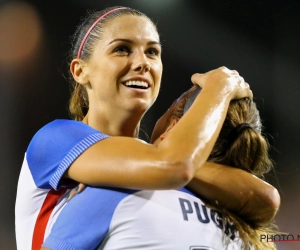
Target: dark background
pixel 260 39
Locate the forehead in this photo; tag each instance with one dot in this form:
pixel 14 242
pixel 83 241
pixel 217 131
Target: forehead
pixel 129 25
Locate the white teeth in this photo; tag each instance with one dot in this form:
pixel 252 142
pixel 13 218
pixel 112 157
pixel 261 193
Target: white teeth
pixel 137 83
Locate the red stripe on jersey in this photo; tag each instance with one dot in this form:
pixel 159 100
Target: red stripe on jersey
pixel 43 217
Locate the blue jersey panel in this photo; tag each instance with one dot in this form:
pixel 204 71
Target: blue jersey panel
pixel 55 146
pixel 85 220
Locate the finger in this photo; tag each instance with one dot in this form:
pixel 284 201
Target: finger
pixel 234 72
pixel 75 191
pixel 199 79
pixel 71 194
pixel 223 68
pixel 250 93
pixel 241 81
pixel 80 188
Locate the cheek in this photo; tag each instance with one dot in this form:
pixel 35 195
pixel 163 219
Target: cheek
pixel 158 67
pixel 157 71
pixel 109 74
pixel 114 67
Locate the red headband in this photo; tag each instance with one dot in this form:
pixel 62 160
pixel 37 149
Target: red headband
pixel 94 24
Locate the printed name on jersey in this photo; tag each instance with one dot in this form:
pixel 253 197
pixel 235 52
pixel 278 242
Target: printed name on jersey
pixel 187 208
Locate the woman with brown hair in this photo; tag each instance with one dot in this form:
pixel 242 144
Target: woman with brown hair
pixel 240 145
pixel 176 219
pixel 116 67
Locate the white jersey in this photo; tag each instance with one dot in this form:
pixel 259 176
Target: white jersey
pixel 115 219
pixel 41 191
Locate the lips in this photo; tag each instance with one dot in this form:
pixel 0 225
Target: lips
pixel 137 84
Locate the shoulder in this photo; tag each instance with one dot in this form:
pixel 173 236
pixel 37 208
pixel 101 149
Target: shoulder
pixel 63 131
pixel 55 146
pixel 69 126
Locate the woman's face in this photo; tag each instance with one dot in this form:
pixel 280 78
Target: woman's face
pixel 124 72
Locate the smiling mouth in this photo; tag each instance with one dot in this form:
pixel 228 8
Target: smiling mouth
pixel 136 84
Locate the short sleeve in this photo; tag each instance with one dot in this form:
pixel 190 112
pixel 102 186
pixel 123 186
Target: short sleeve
pixel 55 146
pixel 82 226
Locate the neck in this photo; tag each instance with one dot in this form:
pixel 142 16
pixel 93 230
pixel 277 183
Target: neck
pixel 114 125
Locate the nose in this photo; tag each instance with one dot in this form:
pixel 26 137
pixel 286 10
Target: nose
pixel 141 63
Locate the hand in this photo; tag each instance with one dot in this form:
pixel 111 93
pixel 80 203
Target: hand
pixel 76 190
pixel 226 80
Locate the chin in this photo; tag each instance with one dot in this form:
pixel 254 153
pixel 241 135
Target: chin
pixel 142 105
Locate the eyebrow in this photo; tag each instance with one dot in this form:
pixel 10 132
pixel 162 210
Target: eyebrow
pixel 130 41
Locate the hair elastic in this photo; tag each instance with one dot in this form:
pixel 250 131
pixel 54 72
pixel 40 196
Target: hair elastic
pixel 94 24
pixel 235 132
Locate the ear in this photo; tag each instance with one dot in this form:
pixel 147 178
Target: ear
pixel 171 125
pixel 77 68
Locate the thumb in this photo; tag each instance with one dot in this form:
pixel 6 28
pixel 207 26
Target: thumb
pixel 199 79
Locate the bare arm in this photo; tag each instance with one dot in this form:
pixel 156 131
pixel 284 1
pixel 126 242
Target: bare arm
pixel 234 189
pixel 131 163
pixel 238 191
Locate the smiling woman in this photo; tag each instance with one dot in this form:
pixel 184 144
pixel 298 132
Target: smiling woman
pixel 116 68
pixel 128 56
pixel 130 52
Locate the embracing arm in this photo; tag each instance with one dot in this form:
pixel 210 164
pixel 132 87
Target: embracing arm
pixel 238 191
pixel 131 163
